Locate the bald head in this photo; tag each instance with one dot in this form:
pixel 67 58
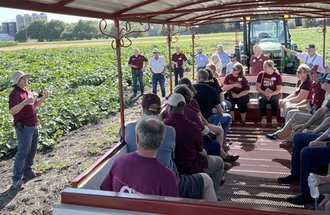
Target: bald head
pixel 150 132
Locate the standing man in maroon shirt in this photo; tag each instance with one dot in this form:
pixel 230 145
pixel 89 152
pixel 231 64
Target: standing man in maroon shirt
pixel 22 105
pixel 179 61
pixel 138 64
pixel 257 60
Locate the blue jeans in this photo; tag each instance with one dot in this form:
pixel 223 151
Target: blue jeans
pixel 26 149
pixel 311 158
pixel 300 141
pixel 135 76
pixel 225 121
pixel 161 79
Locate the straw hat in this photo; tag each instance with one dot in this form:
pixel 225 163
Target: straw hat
pixel 17 76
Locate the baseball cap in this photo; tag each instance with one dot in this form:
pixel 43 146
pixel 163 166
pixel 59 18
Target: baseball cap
pixel 175 99
pixel 325 77
pixel 317 68
pixel 155 50
pixel 233 54
pixel 310 46
pixel 151 102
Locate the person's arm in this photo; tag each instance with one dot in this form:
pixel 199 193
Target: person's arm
pixel 219 109
pixel 17 108
pixel 277 91
pixel 227 87
pixel 324 125
pixel 316 116
pixel 320 141
pixel 290 52
pixel 42 99
pixel 300 97
pixel 322 179
pixel 243 93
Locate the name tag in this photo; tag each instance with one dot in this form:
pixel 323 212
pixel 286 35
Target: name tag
pixel 240 79
pixel 254 60
pixel 273 79
pixel 179 58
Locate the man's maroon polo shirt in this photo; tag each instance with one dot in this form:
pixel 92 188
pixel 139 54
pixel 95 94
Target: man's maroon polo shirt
pixel 137 61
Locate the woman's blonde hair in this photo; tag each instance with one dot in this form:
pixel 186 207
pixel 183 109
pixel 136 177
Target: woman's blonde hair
pixel 239 68
pixel 270 64
pixel 304 67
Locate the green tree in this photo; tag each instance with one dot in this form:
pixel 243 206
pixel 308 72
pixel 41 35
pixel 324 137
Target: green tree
pixel 67 34
pixel 36 30
pixel 53 30
pixel 85 30
pixel 21 36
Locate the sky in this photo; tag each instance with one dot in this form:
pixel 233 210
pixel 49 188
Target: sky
pixel 7 15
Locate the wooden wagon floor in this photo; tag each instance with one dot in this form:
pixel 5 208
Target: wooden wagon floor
pixel 253 179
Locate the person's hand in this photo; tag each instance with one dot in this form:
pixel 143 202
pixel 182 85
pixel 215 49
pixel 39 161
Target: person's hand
pixel 325 200
pixel 234 95
pixel 282 47
pixel 269 96
pixel 143 69
pixel 299 127
pixel 238 85
pixel 317 143
pixel 29 101
pixel 46 94
pixel 306 130
pixel 134 66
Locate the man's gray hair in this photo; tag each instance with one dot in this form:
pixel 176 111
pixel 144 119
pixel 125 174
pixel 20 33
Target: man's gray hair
pixel 151 132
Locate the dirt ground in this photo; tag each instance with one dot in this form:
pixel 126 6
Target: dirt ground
pixel 73 154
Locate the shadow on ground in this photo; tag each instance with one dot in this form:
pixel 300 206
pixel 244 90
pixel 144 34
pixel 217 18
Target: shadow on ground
pixel 7 196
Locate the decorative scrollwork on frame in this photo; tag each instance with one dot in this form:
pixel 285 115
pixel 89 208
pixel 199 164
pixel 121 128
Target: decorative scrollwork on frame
pixel 173 38
pixel 122 34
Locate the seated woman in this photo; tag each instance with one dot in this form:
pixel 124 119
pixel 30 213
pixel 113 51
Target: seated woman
pixel 315 96
pixel 237 88
pixel 300 94
pixel 269 86
pixel 215 82
pixel 304 110
pixel 217 62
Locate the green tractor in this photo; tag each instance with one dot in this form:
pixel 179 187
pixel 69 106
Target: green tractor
pixel 270 35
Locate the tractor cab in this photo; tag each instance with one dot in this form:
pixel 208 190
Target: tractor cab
pixel 270 35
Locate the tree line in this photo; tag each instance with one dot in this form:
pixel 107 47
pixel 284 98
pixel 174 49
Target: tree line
pixel 56 30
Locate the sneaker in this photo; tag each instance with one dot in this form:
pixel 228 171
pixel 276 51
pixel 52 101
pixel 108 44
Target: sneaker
pixel 272 136
pixel 300 199
pixel 18 185
pixel 227 166
pixel 288 179
pixel 230 158
pixel 31 175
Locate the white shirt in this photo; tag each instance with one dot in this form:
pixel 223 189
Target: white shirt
pixel 314 60
pixel 157 66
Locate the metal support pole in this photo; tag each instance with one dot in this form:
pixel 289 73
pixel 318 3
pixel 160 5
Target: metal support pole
pixel 193 51
pixel 324 38
pixel 169 40
pixel 120 78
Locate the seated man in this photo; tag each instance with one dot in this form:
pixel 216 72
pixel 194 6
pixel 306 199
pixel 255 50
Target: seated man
pixel 208 99
pixel 323 183
pixel 309 153
pixel 196 186
pixel 190 157
pixel 125 174
pixel 212 147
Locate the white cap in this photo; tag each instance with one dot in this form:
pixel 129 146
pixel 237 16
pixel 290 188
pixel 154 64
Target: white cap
pixel 175 99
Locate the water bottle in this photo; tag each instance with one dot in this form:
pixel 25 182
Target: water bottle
pixel 314 189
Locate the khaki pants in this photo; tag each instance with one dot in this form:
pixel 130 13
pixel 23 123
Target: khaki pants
pixel 297 118
pixel 214 169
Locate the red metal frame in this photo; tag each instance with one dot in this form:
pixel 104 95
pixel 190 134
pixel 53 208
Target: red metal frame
pixel 168 205
pixel 79 179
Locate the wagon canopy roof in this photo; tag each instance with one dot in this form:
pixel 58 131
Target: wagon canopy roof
pixel 177 12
